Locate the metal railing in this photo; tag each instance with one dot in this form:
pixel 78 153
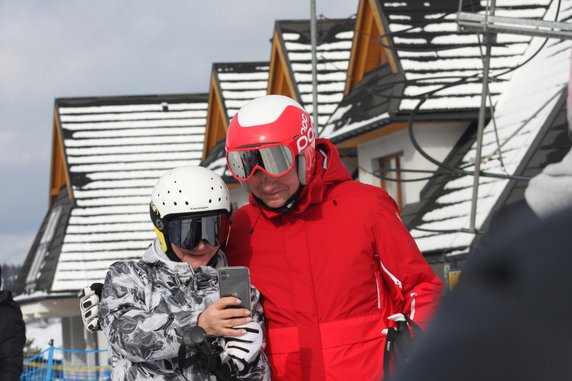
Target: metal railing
pixel 63 364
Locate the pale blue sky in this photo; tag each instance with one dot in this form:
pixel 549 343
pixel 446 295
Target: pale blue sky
pixel 64 48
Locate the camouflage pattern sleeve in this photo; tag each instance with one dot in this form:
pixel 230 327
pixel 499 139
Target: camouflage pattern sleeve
pixel 140 323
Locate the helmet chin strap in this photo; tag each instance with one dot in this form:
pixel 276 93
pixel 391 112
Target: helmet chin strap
pixel 171 255
pixel 288 204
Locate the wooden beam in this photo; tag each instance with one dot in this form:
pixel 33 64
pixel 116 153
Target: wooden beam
pixel 367 54
pixel 355 46
pixel 387 130
pixel 373 134
pixel 279 79
pixel 382 30
pixel 365 47
pixel 217 120
pixel 46 308
pixel 58 172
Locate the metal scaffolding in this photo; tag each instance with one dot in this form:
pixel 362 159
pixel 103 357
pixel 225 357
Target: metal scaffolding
pixel 489 25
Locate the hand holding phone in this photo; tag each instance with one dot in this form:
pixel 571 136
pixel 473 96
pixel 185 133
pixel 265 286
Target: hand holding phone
pixel 235 281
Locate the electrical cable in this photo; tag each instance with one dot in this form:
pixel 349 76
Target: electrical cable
pixel 437 162
pixel 461 230
pixel 535 53
pixel 492 77
pixel 420 25
pixel 375 173
pixel 492 109
pixel 425 96
pixel 400 180
pixel 424 154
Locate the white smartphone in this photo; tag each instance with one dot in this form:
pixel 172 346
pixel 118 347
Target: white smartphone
pixel 235 281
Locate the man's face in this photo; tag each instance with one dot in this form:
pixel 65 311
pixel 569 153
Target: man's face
pixel 274 191
pixel 198 256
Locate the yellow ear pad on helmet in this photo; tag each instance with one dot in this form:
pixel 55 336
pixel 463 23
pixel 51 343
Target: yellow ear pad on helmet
pixel 161 237
pixel 158 226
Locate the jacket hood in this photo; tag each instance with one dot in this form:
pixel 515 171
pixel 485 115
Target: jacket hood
pixel 328 172
pixel 5 296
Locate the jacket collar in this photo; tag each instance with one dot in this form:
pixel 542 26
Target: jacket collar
pixel 328 172
pixel 154 255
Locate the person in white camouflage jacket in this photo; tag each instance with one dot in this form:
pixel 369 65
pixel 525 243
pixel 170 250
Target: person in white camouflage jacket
pixel 147 305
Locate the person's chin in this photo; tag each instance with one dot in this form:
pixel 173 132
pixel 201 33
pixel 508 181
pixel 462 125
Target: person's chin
pixel 196 261
pixel 274 200
pixel 275 203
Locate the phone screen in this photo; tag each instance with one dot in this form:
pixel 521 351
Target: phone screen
pixel 235 281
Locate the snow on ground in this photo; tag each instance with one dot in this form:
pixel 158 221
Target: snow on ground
pixel 43 330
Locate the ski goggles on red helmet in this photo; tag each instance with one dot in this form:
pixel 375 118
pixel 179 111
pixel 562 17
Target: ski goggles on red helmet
pixel 186 231
pixel 275 161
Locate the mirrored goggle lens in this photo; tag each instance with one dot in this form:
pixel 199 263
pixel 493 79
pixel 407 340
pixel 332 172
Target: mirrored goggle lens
pixel 274 160
pixel 187 232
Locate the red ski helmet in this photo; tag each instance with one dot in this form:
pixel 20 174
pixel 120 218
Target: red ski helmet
pixel 268 134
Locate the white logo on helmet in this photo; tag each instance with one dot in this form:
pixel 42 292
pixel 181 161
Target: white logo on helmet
pixel 307 134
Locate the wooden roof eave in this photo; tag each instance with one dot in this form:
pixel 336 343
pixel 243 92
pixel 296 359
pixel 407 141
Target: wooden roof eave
pixel 385 128
pixel 280 70
pixel 217 117
pixel 368 18
pixel 59 173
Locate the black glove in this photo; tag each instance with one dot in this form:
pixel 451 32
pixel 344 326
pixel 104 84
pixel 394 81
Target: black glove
pixel 89 298
pixel 207 355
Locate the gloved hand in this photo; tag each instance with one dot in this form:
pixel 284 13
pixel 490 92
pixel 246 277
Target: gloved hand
pixel 242 350
pixel 88 303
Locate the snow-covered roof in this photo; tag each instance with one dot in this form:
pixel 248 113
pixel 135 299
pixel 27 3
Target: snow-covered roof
pixel 524 108
pixel 240 82
pixel 334 43
pixel 216 162
pixel 115 148
pixel 429 45
pixel 431 52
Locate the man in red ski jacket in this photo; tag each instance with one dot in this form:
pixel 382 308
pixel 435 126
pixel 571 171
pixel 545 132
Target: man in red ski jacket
pixel 330 255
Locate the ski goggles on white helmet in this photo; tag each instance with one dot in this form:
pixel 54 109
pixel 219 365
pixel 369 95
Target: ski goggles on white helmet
pixel 186 231
pixel 275 161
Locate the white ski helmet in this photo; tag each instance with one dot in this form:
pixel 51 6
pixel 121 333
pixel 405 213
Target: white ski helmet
pixel 190 204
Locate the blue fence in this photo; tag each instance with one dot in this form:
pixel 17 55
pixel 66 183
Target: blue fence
pixel 67 365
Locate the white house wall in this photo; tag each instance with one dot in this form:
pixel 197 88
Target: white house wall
pixel 436 139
